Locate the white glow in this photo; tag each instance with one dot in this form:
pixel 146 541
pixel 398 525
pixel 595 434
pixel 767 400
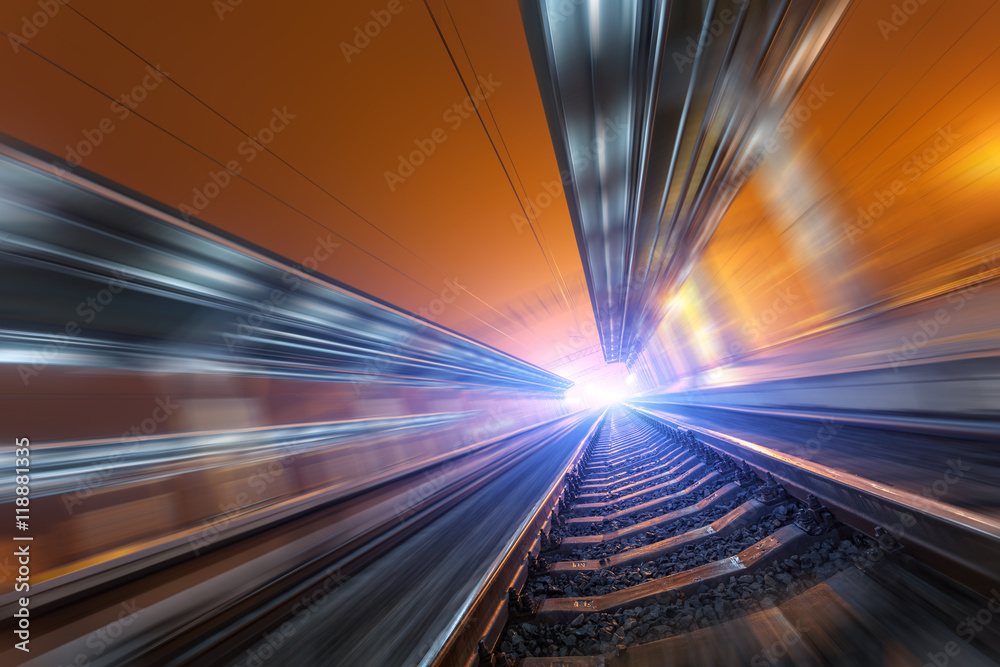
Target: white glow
pixel 599 392
pixel 595 15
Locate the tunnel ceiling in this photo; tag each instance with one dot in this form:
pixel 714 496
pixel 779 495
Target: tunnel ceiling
pixel 369 157
pixel 351 147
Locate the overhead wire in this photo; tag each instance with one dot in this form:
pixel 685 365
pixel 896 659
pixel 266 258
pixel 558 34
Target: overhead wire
pixel 266 149
pixel 557 277
pixel 539 233
pixel 258 187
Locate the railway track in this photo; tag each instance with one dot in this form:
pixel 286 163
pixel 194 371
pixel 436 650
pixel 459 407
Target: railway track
pixel 224 605
pixel 667 551
pixel 593 541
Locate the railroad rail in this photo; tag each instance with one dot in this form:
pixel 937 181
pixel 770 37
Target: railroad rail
pixel 676 546
pixel 609 538
pixel 216 606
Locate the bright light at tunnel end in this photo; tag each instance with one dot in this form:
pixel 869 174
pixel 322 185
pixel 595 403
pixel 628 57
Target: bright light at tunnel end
pixel 597 393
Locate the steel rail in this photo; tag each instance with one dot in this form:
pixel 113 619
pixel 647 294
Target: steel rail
pixel 959 542
pixel 485 613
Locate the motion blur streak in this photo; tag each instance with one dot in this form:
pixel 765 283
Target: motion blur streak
pixel 311 313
